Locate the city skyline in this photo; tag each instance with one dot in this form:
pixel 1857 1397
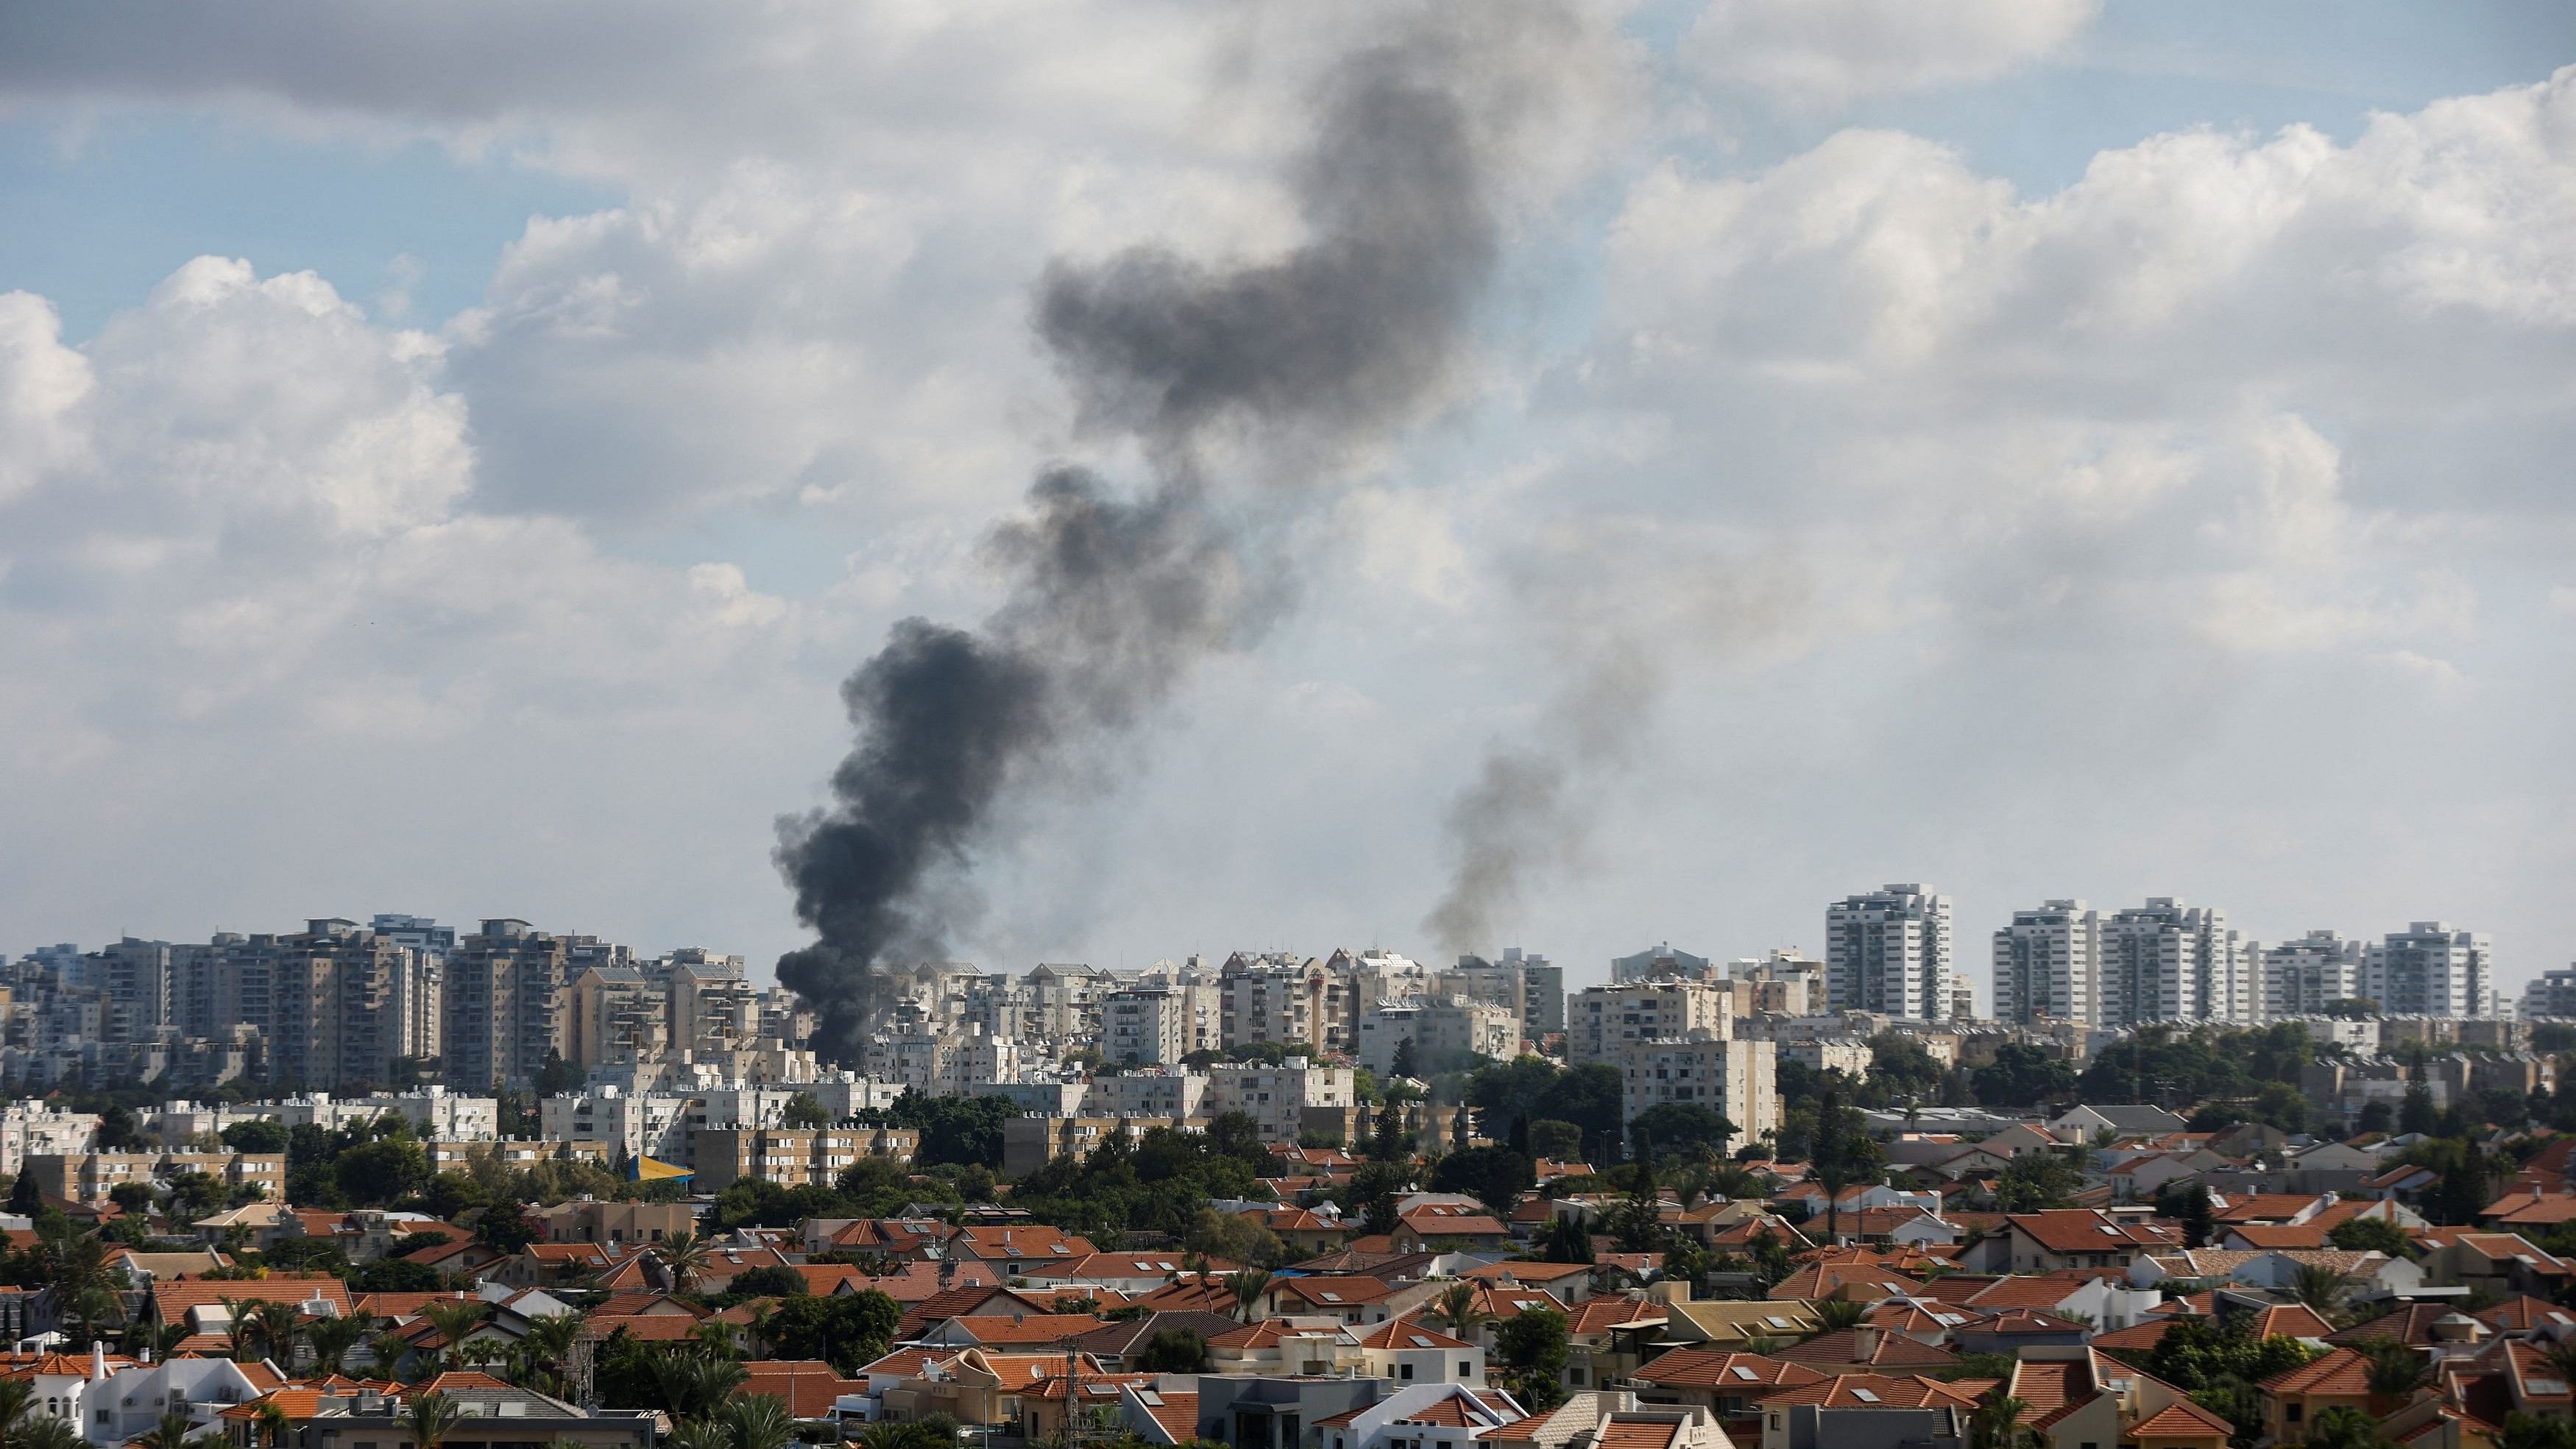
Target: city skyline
pixel 2108 455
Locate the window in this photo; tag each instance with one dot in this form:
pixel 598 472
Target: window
pixel 1574 1376
pixel 2291 1411
pixel 1402 1371
pixel 1466 1370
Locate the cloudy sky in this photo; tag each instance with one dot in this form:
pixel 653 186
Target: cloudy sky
pixel 450 456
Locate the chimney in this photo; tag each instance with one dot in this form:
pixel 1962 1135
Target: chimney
pixel 97 1360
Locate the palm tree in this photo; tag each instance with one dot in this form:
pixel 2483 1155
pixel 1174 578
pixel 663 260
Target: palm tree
pixel 44 1431
pixel 684 1257
pixel 1456 1306
pixel 387 1349
pixel 760 1421
pixel 1247 1287
pixel 277 1329
pixel 1998 1423
pixel 170 1433
pixel 693 1384
pixel 2321 1288
pixel 2395 1372
pixel 274 1426
pixel 545 1348
pixel 701 1434
pixel 1760 1343
pixel 2342 1427
pixel 1837 1314
pixel 159 1340
pixel 240 1325
pixel 332 1338
pixel 431 1417
pixel 454 1318
pixel 16 1397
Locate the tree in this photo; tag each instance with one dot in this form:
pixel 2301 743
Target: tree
pixel 2036 1181
pixel 684 1257
pixel 1554 1140
pixel 1686 1127
pixel 1237 1238
pixel 1495 1176
pixel 1247 1287
pixel 757 1421
pixel 1565 1241
pixel 2187 1203
pixel 1997 1424
pixel 2343 1427
pixel 1844 1155
pixel 454 1318
pixel 1173 1351
pixel 2416 1115
pixel 2321 1288
pixel 2195 1354
pixel 25 1198
pixel 259 1136
pixel 378 1173
pixel 803 1111
pixel 1837 1314
pixel 1533 1346
pixel 1456 1305
pixel 2371 1235
pixel 332 1338
pixel 766 1283
pixel 430 1417
pixel 2375 1117
pixel 2023 1075
pixel 1387 1143
pixel 2537 1431
pixel 847 1330
pixel 2393 1370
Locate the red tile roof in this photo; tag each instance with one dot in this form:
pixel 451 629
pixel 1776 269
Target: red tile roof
pixel 807 1385
pixel 1177 1413
pixel 2181 1419
pixel 1720 1368
pixel 2340 1371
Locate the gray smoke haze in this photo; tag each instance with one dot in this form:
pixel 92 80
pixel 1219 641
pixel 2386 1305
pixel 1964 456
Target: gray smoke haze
pixel 1113 599
pixel 1624 611
pixel 1528 812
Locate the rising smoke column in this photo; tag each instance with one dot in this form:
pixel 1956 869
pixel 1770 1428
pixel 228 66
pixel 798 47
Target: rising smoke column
pixel 1113 599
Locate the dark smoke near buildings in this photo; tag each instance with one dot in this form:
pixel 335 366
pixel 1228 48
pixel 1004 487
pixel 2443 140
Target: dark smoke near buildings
pixel 1113 598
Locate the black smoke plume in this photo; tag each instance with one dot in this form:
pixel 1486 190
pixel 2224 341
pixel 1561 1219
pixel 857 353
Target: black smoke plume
pixel 1112 598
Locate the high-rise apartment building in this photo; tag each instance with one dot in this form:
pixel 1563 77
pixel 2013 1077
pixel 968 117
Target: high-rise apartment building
pixel 1530 987
pixel 2550 994
pixel 505 1005
pixel 2048 964
pixel 2165 961
pixel 2430 969
pixel 1889 951
pixel 1660 960
pixel 2305 976
pixel 1604 1021
pixel 1144 1027
pixel 1738 1079
pixel 1783 983
pixel 617 1017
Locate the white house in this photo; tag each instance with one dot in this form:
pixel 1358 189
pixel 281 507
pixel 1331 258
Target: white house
pixel 130 1401
pixel 1397 1419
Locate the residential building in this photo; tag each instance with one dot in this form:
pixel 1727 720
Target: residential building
pixel 1146 1026
pixel 88 1177
pixel 787 1156
pixel 2550 994
pixel 1657 961
pixel 504 1004
pixel 1735 1078
pixel 1179 1096
pixel 2430 969
pixel 2305 976
pixel 1603 1021
pixel 1442 1029
pixel 1782 983
pixel 617 1016
pixel 1278 1098
pixel 2048 964
pixel 2165 961
pixel 1889 951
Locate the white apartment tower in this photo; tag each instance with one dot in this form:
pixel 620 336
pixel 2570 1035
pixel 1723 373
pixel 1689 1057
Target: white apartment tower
pixel 2550 994
pixel 1146 1026
pixel 2429 969
pixel 2048 964
pixel 2165 961
pixel 1889 951
pixel 2305 976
